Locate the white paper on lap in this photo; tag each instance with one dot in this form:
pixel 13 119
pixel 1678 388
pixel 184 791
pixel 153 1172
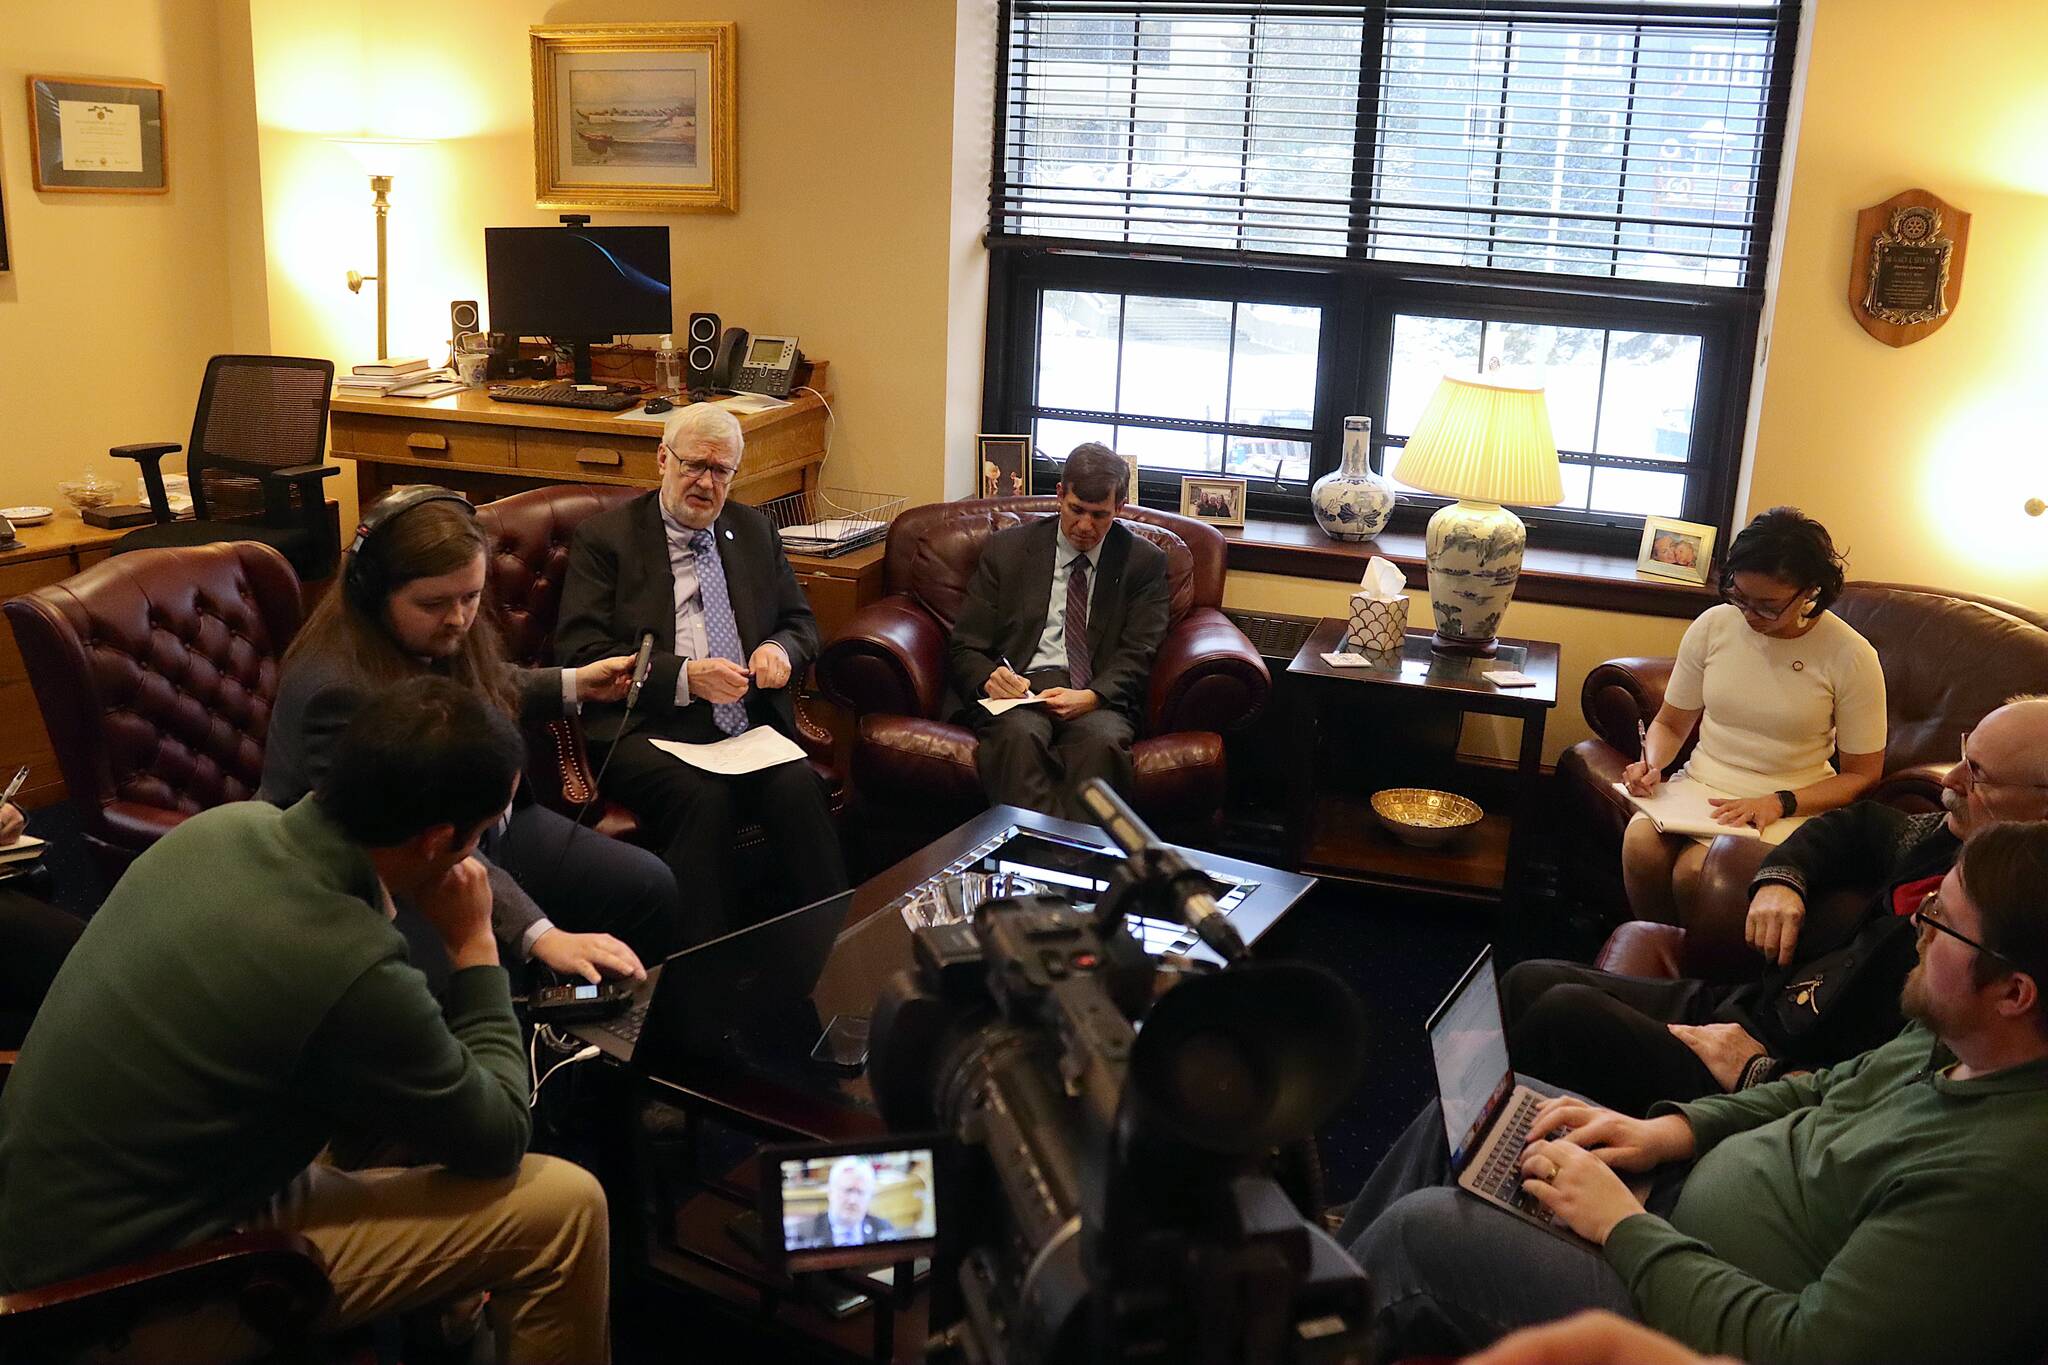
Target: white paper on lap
pixel 747 752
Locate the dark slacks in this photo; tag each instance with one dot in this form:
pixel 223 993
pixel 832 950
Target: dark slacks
pixel 35 938
pixel 1604 1035
pixel 1450 1274
pixel 590 883
pixel 693 814
pixel 1029 757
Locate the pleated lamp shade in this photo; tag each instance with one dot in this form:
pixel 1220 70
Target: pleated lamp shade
pixel 1485 442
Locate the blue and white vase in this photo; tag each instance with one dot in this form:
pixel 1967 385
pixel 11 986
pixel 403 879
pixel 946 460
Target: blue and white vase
pixel 1353 503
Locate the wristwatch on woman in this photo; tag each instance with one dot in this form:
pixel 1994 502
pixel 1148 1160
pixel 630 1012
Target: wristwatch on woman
pixel 1788 804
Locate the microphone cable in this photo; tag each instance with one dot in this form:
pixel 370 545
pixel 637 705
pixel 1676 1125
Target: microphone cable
pixel 643 663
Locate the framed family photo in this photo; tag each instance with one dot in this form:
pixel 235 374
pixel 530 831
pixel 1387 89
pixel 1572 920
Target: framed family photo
pixel 1005 464
pixel 1218 501
pixel 96 135
pixel 1683 550
pixel 635 116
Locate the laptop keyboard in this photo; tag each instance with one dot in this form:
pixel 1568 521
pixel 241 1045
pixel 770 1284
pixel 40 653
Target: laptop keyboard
pixel 1502 1175
pixel 629 1024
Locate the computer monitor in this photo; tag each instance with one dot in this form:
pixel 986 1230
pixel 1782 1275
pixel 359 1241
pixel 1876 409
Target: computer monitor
pixel 578 284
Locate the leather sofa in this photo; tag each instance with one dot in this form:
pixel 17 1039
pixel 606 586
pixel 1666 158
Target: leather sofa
pixel 1948 659
pixel 913 770
pixel 156 672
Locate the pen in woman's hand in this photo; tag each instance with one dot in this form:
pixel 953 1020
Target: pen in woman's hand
pixel 20 776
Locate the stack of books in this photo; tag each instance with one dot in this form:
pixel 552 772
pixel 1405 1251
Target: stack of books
pixel 21 855
pixel 383 376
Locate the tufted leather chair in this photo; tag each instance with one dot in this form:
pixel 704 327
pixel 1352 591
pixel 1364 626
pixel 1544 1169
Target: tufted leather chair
pixel 913 772
pixel 1948 659
pixel 529 535
pixel 155 672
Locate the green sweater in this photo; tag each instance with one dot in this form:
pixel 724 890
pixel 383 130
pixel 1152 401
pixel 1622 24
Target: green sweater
pixel 1875 1211
pixel 240 999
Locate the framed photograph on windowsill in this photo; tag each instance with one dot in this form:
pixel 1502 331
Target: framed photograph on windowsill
pixel 96 136
pixel 1683 550
pixel 1218 501
pixel 635 116
pixel 1005 464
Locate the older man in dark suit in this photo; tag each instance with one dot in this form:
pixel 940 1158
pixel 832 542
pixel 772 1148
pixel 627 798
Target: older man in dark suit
pixel 732 632
pixel 1069 610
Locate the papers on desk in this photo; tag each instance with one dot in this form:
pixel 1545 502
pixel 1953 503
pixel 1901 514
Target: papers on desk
pixel 429 386
pixel 1679 805
pixel 748 752
pixel 641 414
pixel 744 404
pixel 996 707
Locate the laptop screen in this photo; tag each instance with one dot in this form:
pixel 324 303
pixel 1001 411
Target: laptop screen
pixel 1472 1071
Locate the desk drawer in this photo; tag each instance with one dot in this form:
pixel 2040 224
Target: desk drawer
pixel 421 442
pixel 588 455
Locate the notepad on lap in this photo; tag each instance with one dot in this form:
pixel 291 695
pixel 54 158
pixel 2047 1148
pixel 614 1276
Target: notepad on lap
pixel 997 705
pixel 1680 806
pixel 22 850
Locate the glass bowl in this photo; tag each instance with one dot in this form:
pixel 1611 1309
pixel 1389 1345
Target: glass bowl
pixel 1423 817
pixel 88 491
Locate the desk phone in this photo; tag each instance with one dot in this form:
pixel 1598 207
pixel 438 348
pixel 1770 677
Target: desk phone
pixel 769 367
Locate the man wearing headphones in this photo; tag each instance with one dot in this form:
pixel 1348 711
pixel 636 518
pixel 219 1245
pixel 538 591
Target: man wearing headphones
pixel 409 602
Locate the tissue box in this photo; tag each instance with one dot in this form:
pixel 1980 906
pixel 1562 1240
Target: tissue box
pixel 1376 624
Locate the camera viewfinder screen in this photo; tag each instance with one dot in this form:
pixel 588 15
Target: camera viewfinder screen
pixel 857 1209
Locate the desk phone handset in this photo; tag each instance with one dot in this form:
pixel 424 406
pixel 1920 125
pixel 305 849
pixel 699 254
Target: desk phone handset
pixel 756 364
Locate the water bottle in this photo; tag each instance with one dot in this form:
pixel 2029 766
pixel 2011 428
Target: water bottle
pixel 668 366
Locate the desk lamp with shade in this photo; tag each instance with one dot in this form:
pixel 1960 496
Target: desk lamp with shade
pixel 379 157
pixel 1484 442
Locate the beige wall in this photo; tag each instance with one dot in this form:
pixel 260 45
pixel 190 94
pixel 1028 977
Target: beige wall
pixel 846 233
pixel 125 294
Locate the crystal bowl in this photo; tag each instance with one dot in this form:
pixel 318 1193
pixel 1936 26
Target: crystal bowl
pixel 88 492
pixel 1423 817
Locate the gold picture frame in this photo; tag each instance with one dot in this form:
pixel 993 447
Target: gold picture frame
pixel 1216 500
pixel 1005 465
pixel 636 116
pixel 96 135
pixel 1671 548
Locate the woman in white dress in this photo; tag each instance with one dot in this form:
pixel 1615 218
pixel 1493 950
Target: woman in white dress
pixel 1776 684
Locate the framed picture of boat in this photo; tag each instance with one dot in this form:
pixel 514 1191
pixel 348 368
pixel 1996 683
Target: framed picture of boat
pixel 635 116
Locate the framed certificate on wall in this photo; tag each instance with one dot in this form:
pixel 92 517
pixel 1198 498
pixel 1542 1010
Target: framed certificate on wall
pixel 92 135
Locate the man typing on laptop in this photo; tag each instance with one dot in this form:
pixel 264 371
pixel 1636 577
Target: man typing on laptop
pixel 1891 1208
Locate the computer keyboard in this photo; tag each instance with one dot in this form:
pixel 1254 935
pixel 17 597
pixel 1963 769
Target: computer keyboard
pixel 629 1024
pixel 1503 1174
pixel 566 396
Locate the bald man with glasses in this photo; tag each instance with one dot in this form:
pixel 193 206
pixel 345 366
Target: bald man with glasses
pixel 733 635
pixel 1631 1041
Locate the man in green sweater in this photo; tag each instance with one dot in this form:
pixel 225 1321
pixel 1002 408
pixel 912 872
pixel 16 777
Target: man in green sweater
pixel 1893 1208
pixel 242 999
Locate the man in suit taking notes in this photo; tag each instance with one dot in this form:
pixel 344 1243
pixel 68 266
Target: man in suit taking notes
pixel 1070 610
pixel 733 633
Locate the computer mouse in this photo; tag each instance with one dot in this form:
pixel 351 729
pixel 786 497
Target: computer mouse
pixel 655 405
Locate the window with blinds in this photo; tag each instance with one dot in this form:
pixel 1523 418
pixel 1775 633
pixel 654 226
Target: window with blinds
pixel 1631 139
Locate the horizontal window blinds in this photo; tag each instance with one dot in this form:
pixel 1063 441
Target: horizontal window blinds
pixel 1637 140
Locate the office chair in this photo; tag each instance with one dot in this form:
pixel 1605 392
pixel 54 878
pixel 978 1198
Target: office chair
pixel 259 441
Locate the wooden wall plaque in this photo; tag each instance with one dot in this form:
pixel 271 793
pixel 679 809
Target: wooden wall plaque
pixel 1906 268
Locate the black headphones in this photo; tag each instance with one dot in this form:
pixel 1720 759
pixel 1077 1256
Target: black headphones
pixel 365 581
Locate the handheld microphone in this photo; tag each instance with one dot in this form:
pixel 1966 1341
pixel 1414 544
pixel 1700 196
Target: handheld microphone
pixel 1187 883
pixel 642 663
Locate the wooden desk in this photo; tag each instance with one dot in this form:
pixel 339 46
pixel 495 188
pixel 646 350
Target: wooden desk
pixel 48 554
pixel 488 449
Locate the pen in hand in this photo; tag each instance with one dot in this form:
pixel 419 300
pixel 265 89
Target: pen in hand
pixel 20 776
pixel 1643 753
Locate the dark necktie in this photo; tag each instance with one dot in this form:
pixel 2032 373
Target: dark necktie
pixel 1080 668
pixel 721 631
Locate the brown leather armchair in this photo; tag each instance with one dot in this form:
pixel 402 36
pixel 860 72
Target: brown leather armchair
pixel 1948 659
pixel 156 672
pixel 529 535
pixel 913 773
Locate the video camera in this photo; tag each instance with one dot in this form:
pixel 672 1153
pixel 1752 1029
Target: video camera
pixel 1114 1192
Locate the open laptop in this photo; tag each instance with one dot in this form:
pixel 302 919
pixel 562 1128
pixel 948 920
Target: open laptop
pixel 1486 1114
pixel 698 1002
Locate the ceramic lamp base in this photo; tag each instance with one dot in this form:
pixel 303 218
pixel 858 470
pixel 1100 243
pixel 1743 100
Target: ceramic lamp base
pixel 1475 556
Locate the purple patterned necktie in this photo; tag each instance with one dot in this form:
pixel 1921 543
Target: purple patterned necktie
pixel 721 632
pixel 1080 668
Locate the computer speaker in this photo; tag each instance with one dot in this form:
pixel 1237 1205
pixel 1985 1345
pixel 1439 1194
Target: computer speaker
pixel 702 356
pixel 463 318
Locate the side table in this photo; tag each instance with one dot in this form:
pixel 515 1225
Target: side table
pixel 47 554
pixel 1336 833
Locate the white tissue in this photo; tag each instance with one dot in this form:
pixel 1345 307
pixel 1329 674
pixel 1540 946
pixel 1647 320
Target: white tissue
pixel 1383 581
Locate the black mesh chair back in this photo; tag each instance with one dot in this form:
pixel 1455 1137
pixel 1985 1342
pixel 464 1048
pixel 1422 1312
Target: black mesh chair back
pixel 254 464
pixel 255 410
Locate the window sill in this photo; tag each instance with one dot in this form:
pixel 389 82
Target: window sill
pixel 1598 582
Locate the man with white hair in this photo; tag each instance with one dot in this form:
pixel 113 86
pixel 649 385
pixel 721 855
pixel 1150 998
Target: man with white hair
pixel 846 1221
pixel 733 633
